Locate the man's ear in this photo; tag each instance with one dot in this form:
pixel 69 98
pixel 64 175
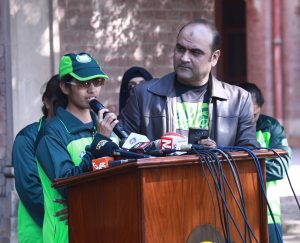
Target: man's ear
pixel 64 88
pixel 215 57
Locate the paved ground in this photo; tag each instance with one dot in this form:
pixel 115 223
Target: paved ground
pixel 290 210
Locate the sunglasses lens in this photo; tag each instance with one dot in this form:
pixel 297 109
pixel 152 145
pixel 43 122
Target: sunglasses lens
pixel 87 84
pixel 98 82
pixel 83 85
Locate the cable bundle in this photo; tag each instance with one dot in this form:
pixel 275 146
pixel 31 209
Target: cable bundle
pixel 213 159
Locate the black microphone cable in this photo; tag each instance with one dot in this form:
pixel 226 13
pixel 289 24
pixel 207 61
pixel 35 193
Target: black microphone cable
pixel 260 176
pixel 261 180
pixel 220 177
pixel 294 194
pixel 226 183
pixel 210 163
pixel 241 194
pixel 226 231
pixel 222 183
pixel 235 174
pixel 278 234
pixel 207 159
pixel 202 158
pixel 238 184
pixel 287 175
pixel 222 201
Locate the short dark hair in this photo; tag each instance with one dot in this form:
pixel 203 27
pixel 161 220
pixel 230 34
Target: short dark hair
pixel 216 35
pixel 254 91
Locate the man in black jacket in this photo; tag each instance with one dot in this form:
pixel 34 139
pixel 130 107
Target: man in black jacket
pixel 191 96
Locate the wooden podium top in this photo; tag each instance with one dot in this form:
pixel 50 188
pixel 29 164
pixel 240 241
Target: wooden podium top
pixel 158 162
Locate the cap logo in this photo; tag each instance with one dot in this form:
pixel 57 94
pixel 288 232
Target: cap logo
pixel 84 58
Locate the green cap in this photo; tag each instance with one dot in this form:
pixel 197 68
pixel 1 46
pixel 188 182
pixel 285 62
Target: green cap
pixel 80 66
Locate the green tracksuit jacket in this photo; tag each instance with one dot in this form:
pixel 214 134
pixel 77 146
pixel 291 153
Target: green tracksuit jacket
pixel 270 134
pixel 60 152
pixel 28 185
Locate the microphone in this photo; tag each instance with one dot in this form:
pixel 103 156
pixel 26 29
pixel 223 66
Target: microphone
pixel 105 162
pixel 107 148
pixel 133 139
pixel 180 149
pixel 145 147
pixel 172 140
pixel 120 162
pixel 101 163
pixel 118 129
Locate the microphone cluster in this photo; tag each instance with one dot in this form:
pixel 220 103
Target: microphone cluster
pixel 102 148
pixel 136 146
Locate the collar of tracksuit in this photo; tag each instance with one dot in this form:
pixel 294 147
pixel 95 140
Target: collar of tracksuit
pixel 264 122
pixel 72 123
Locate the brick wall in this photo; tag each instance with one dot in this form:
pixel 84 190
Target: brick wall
pixel 121 34
pixel 259 47
pixel 291 74
pixel 260 66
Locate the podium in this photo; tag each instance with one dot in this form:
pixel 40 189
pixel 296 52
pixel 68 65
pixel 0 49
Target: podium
pixel 167 199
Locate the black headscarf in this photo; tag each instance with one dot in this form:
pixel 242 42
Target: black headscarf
pixel 131 73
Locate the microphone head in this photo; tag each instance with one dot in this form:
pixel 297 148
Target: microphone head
pixel 172 140
pixel 118 130
pixel 103 148
pixel 133 139
pixel 95 105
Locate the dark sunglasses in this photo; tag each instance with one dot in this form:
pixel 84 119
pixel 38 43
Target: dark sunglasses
pixel 86 84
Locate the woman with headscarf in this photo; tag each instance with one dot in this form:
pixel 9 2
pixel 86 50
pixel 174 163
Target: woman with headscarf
pixel 131 78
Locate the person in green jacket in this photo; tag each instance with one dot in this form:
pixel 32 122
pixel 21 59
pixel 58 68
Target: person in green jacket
pixel 270 134
pixel 61 144
pixel 27 181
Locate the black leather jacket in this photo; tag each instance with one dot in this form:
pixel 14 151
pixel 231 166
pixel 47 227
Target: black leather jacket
pixel 151 110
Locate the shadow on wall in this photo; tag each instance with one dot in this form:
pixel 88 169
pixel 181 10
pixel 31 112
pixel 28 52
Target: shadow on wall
pixel 121 34
pixel 125 29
